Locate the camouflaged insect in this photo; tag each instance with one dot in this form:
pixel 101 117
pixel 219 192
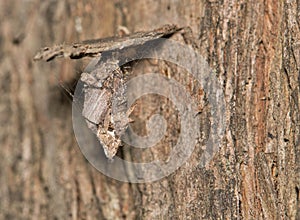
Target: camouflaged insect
pixel 103 88
pixel 105 107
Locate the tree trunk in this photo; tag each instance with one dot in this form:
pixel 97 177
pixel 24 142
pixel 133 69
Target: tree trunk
pixel 254 51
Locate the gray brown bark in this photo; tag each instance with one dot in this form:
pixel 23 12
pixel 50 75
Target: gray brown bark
pixel 253 46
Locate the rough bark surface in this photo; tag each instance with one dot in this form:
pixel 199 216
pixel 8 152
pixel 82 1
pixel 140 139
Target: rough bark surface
pixel 253 46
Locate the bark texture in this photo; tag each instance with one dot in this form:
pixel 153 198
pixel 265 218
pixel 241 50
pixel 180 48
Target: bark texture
pixel 253 46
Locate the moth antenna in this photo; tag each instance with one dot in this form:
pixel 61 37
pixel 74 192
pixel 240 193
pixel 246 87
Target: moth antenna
pixel 67 90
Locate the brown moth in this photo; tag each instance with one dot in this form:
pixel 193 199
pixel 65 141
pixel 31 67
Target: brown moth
pixel 104 106
pixel 99 88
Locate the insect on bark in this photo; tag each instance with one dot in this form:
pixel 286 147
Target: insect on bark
pixel 106 81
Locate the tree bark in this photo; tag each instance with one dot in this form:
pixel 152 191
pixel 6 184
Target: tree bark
pixel 253 48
